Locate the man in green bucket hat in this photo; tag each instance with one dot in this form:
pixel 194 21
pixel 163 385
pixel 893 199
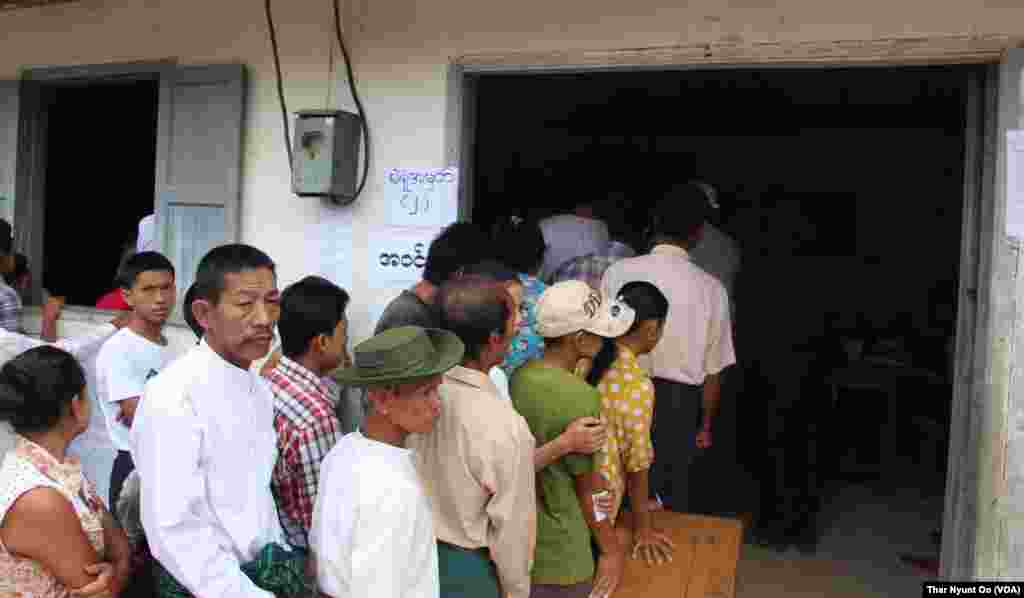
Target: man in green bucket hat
pixel 373 529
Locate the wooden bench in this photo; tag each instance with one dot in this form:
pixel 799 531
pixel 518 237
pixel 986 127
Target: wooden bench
pixel 704 564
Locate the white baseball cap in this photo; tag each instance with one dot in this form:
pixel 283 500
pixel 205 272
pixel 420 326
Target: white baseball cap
pixel 572 306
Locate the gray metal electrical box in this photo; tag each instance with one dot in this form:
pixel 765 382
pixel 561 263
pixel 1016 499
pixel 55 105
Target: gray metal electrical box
pixel 326 153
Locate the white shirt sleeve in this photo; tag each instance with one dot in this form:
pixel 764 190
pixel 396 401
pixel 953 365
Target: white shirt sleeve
pixel 87 344
pixel 122 377
pixel 168 444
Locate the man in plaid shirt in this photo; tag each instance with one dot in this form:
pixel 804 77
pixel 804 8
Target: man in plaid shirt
pixel 314 336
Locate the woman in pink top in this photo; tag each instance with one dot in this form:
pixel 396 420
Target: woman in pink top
pixel 56 537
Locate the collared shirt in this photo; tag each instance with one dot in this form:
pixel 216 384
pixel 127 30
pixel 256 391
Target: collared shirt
pixel 307 429
pixel 205 448
pixel 477 467
pixel 697 341
pixel 373 531
pixel 10 308
pixel 569 236
pixel 587 268
pixel 627 404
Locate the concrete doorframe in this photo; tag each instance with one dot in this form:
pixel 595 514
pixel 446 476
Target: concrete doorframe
pixel 976 410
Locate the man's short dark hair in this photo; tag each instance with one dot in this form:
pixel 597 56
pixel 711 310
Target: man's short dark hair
pixel 146 261
pixel 224 260
pixel 309 308
pixel 474 308
pixel 680 212
pixel 457 246
pixel 492 269
pixel 520 245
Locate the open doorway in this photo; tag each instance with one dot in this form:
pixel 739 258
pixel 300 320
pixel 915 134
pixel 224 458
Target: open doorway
pixel 100 166
pixel 844 188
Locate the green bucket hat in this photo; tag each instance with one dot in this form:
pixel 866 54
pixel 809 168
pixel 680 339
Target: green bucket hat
pixel 401 355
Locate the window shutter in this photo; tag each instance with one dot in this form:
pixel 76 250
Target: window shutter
pixel 199 153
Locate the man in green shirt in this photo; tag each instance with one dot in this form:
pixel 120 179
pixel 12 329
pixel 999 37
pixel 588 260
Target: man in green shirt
pixel 549 394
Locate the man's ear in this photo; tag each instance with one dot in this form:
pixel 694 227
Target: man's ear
pixel 202 310
pixel 126 294
pixel 651 329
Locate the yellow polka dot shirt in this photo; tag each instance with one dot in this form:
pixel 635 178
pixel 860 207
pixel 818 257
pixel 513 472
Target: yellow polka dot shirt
pixel 627 404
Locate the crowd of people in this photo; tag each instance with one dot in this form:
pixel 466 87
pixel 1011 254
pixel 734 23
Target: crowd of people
pixel 526 414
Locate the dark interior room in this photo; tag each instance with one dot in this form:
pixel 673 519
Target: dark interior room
pixel 844 191
pixel 100 174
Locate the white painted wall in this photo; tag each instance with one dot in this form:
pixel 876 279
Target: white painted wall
pixel 402 49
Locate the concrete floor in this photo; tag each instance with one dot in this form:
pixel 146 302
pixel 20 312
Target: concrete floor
pixel 866 527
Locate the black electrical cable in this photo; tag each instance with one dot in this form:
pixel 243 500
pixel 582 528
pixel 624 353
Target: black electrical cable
pixel 280 86
pixel 355 98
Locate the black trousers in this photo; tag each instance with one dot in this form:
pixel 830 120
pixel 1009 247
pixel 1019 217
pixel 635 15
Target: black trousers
pixel 674 434
pixel 123 467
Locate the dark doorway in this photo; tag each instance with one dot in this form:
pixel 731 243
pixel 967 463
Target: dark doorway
pixel 100 175
pixel 844 189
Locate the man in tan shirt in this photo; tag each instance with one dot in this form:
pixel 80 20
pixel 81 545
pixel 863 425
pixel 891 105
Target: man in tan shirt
pixel 477 464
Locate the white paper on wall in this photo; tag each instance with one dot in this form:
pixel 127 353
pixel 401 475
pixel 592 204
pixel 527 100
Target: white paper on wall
pixel 330 246
pixel 422 196
pixel 397 255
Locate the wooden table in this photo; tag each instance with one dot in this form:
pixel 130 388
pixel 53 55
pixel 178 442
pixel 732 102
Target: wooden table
pixel 704 564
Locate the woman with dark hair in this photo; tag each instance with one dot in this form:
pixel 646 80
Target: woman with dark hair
pixel 521 246
pixel 56 537
pixel 628 409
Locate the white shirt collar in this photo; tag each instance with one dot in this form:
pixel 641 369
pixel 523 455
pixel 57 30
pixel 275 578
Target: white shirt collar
pixel 246 379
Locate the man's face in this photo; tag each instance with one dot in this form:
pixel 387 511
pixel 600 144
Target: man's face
pixel 152 296
pixel 334 351
pixel 415 407
pixel 240 326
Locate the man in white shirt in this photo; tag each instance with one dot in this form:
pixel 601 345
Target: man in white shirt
pixel 696 345
pixel 572 235
pixel 478 462
pixel 135 354
pixel 373 529
pixel 204 443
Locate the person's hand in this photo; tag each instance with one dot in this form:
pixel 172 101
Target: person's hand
pixel 122 320
pixel 104 582
pixel 704 438
pixel 586 435
pixel 605 503
pixel 653 546
pixel 608 575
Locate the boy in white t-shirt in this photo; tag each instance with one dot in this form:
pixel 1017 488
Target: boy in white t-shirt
pixel 135 354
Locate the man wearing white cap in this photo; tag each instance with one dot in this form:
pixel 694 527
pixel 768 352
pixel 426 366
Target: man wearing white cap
pixel 549 393
pixel 718 254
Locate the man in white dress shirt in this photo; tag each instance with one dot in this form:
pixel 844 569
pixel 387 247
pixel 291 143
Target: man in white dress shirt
pixel 204 442
pixel 373 526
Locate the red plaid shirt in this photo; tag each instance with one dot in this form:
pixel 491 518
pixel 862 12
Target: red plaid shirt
pixel 307 428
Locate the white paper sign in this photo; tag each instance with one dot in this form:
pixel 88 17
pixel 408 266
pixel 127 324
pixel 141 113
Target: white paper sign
pixel 1015 183
pixel 422 197
pixel 330 246
pixel 397 255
